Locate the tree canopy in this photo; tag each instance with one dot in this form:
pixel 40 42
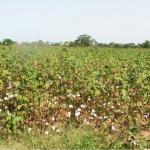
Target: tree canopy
pixel 7 42
pixel 84 40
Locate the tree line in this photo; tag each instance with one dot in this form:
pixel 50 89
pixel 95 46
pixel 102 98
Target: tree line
pixel 82 41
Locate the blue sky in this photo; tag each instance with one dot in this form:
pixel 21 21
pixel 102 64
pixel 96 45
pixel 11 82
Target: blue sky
pixel 62 20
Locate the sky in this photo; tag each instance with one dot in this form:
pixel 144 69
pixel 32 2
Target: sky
pixel 63 20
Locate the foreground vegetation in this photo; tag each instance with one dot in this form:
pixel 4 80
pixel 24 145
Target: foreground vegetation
pixel 74 98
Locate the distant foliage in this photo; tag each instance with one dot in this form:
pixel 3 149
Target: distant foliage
pixel 85 40
pixel 146 44
pixel 81 41
pixel 7 42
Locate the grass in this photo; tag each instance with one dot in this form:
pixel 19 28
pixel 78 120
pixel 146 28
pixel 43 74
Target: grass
pixel 71 138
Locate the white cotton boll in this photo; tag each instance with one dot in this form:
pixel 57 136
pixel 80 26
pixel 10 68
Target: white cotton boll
pixel 74 96
pixel 69 114
pixel 117 87
pixel 8 113
pixel 53 127
pixel 113 128
pixel 112 107
pixel 78 95
pixel 57 131
pixel 6 98
pixel 11 96
pixel 6 107
pixel 146 116
pixel 93 110
pixel 70 106
pixel 69 95
pixel 79 109
pixel 59 78
pixel 83 106
pixel 9 87
pixel 100 117
pixel 133 142
pixel 53 119
pixel 89 99
pixel 95 115
pixel 50 82
pixel 104 104
pixel 46 132
pixel 64 105
pixel 29 130
pixel 46 123
pixel 77 114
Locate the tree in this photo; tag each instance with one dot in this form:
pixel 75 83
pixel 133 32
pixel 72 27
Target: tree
pixel 85 40
pixel 129 45
pixel 7 42
pixel 102 44
pixel 146 44
pixel 72 43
